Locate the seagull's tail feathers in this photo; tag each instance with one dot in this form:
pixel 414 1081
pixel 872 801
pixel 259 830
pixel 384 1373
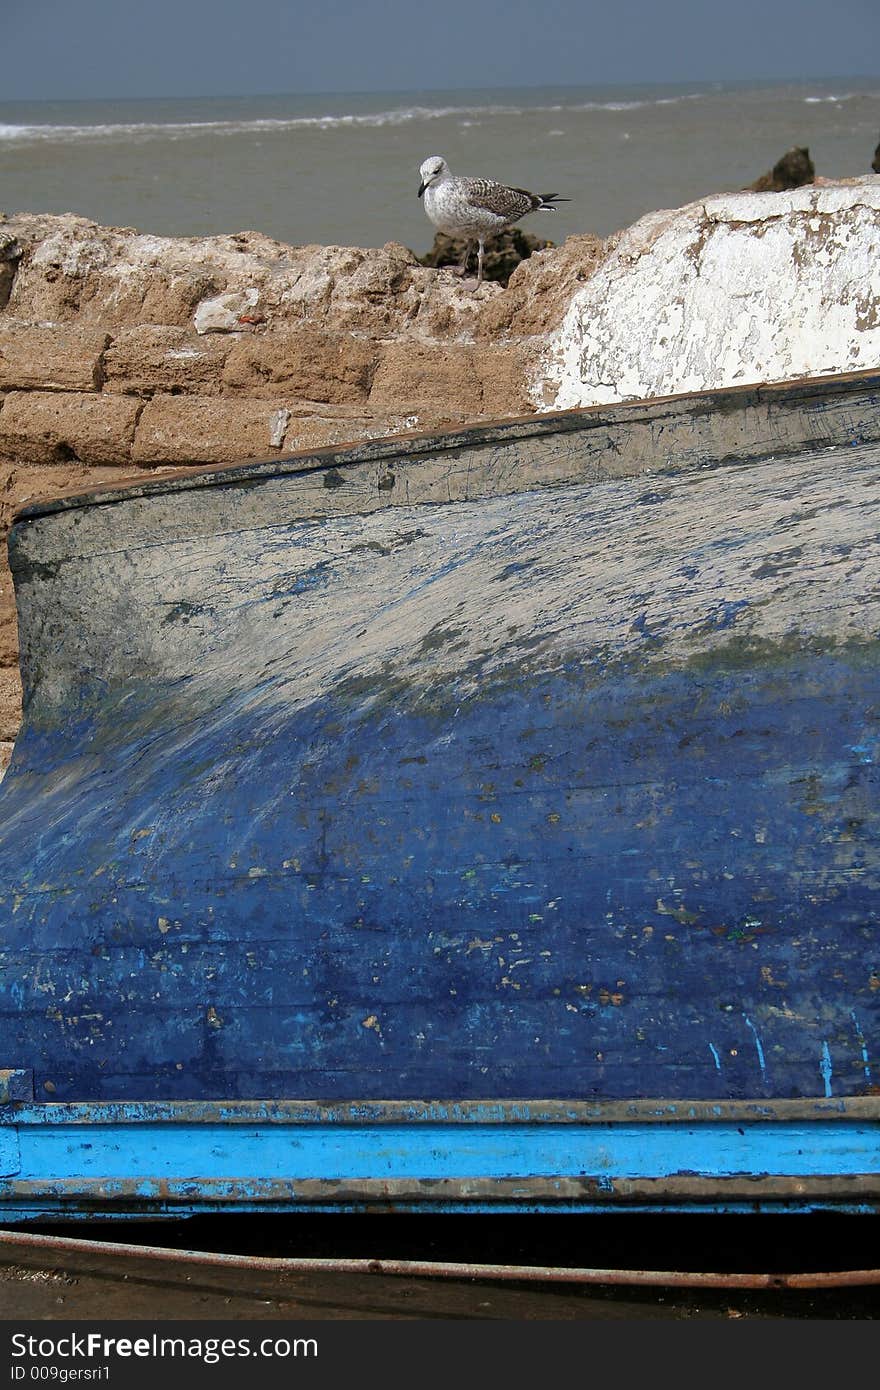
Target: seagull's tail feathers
pixel 547 202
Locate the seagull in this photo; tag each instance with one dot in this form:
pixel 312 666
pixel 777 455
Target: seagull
pixel 475 208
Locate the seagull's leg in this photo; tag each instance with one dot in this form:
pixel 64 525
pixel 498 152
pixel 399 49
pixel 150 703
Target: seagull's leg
pixel 480 262
pixel 464 260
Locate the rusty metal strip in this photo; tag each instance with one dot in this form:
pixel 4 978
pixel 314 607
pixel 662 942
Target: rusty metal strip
pixel 16 1242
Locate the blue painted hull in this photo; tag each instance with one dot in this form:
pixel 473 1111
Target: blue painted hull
pixel 521 824
pixel 523 940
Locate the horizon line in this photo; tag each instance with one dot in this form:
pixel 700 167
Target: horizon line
pixel 317 93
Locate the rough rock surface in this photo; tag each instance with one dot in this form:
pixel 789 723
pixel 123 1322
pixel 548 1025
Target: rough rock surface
pixel 734 289
pixel 503 253
pixel 793 170
pixel 10 253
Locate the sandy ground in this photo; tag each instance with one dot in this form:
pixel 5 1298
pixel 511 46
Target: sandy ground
pixel 41 1286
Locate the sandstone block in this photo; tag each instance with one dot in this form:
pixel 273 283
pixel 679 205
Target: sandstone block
pixel 204 429
pixel 504 380
pixel 10 703
pixel 319 432
pixel 8 624
pixel 163 358
pixel 60 358
pixel 426 377
pixel 319 366
pixel 439 383
pixel 67 426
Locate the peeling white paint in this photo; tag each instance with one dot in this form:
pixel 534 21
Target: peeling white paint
pixel 735 289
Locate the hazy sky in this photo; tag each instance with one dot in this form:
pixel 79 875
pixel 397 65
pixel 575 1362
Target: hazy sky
pixel 111 48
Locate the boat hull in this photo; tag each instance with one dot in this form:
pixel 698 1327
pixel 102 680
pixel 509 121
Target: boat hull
pixel 519 765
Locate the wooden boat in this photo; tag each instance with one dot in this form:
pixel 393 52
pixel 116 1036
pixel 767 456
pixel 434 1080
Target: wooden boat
pixel 478 821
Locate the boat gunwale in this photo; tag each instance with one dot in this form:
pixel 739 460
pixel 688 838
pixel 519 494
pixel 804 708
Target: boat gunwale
pixel 413 445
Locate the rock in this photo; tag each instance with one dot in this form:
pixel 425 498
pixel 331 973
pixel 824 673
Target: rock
pixel 793 170
pixel 319 431
pixel 503 253
pixel 67 427
pixel 154 358
pixel 10 703
pixel 187 430
pixel 278 423
pixel 429 375
pixel 454 381
pixel 10 254
pixel 745 287
pixel 307 362
pixel 51 357
pixel 75 271
pixel 541 289
pixel 197 429
pixel 228 312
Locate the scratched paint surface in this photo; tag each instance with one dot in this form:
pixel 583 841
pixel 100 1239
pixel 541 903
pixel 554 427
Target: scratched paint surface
pixel 149 1153
pixel 567 793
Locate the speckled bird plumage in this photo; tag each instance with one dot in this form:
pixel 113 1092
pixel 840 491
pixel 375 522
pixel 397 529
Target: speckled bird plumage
pixel 475 208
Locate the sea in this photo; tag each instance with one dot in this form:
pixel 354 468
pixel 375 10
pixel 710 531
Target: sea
pixel 341 168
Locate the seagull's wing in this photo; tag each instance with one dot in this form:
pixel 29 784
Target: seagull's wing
pixel 509 203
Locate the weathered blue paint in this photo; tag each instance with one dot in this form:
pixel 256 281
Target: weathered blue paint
pixel 574 798
pixel 551 1156
pixel 150 1153
pixel 497 915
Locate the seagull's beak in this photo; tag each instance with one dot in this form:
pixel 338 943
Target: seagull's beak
pixel 422 187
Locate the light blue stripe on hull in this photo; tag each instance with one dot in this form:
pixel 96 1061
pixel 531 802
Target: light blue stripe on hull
pixel 66 1161
pixel 340 1153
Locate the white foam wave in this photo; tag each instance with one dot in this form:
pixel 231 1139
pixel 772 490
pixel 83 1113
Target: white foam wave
pixel 815 101
pixel 143 131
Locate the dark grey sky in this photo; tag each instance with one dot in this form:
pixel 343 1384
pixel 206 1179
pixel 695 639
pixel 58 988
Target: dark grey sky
pixel 112 48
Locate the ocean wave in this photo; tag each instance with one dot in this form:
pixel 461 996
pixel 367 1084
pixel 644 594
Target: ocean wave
pixel 144 131
pixel 815 101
